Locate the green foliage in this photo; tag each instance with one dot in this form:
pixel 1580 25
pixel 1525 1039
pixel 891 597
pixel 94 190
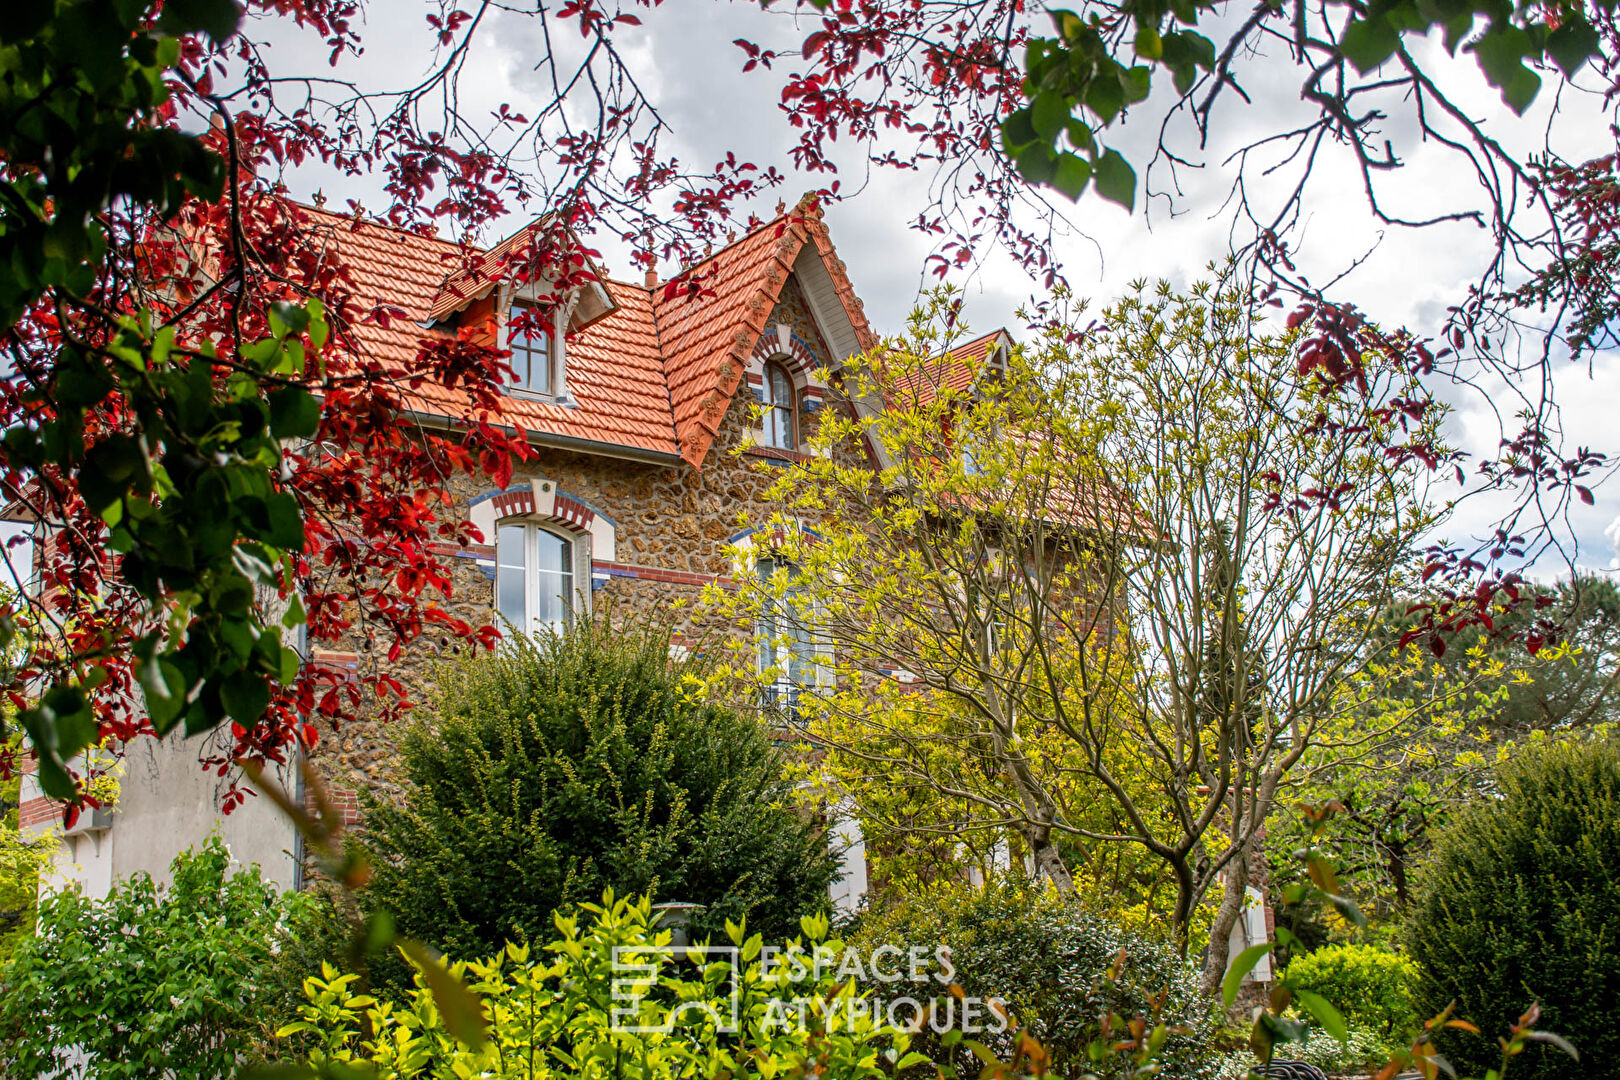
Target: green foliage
pixel 1356 1052
pixel 20 863
pixel 1058 968
pixel 80 81
pixel 1372 987
pixel 159 982
pixel 569 764
pixel 197 509
pixel 1473 697
pixel 1518 904
pixel 572 1007
pixel 1088 75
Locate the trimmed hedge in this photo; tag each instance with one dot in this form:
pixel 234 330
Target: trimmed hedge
pixel 563 766
pixel 1520 902
pixel 1373 988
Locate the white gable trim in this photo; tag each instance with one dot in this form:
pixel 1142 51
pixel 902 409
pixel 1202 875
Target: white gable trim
pixel 825 308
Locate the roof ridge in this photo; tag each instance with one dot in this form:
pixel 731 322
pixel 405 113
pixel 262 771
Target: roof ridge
pixel 372 221
pixel 770 295
pixel 663 361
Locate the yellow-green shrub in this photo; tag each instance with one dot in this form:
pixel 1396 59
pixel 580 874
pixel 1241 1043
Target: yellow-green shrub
pixel 1373 988
pixel 551 1013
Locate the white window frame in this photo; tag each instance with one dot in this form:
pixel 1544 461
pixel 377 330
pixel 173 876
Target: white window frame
pixel 535 579
pixel 812 647
pixel 556 357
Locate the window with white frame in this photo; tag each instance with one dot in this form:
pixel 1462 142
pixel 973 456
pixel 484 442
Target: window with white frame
pixel 787 642
pixel 534 578
pixel 536 351
pixel 780 408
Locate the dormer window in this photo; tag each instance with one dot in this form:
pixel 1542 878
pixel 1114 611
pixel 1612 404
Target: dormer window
pixel 781 419
pixel 536 351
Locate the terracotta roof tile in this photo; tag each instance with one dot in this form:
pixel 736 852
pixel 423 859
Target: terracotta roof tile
pixel 656 374
pixel 953 370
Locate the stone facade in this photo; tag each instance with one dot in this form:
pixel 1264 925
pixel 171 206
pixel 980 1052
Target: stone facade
pixel 670 528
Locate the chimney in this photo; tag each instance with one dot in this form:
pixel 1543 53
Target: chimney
pixel 652 277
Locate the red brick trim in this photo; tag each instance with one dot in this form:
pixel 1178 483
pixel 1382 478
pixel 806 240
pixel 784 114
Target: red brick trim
pixel 776 453
pixel 658 573
pixel 467 551
pixel 344 800
pixel 38 811
pixel 769 347
pixel 331 666
pixel 518 502
pixel 572 512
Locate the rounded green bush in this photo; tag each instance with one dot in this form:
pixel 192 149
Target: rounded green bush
pixel 565 765
pixel 1373 988
pixel 1048 960
pixel 1519 903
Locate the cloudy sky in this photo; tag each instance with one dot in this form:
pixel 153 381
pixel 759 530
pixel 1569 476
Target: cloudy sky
pixel 685 60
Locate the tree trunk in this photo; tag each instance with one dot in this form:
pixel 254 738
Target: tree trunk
pixel 1048 860
pixel 1226 917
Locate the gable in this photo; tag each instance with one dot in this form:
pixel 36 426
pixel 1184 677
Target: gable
pixel 652 375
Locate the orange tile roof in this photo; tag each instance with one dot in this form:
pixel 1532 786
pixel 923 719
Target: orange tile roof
pixel 952 370
pixel 655 375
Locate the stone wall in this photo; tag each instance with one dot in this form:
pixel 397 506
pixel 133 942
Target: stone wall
pixel 672 525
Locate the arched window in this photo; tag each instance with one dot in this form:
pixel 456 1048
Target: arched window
pixel 781 408
pixel 534 578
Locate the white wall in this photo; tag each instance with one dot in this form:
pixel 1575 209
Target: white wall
pixel 168 802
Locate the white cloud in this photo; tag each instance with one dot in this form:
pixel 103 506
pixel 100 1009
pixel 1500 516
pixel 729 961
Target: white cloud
pixel 687 63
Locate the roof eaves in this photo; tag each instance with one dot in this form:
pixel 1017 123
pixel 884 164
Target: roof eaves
pixel 701 430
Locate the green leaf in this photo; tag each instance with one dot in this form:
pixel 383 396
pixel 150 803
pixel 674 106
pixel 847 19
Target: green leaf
pixel 1240 967
pixel 217 18
pixel 1105 97
pixel 1017 131
pixel 1149 46
pixel 1116 180
pixel 1048 114
pixel 1522 90
pixel 1369 42
pixel 1325 1013
pixel 1501 51
pixel 286 522
pixel 1072 175
pixel 1572 45
pixel 462 1012
pixel 245 697
pixel 1136 82
pixel 294 413
pixel 1035 163
pixel 317 322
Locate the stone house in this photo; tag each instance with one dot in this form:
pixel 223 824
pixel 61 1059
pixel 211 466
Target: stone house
pixel 640 403
pixel 650 412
